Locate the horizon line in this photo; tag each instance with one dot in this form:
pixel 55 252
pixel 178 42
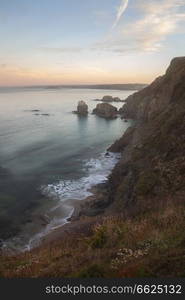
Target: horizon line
pixel 71 85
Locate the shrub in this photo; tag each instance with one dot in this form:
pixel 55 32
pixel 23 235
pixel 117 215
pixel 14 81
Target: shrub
pixel 99 238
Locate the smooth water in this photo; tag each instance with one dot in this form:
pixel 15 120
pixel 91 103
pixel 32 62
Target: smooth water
pixel 48 160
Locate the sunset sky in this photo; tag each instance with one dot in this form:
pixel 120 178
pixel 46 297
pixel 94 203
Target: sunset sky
pixel 88 41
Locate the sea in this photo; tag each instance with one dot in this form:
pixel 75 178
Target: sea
pixel 49 157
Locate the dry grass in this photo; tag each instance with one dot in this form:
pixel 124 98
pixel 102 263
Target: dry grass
pixel 149 245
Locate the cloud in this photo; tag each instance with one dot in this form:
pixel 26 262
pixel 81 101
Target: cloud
pixel 3 66
pixel 153 22
pixel 121 10
pixel 62 49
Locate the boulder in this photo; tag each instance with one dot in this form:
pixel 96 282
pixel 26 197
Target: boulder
pixel 105 110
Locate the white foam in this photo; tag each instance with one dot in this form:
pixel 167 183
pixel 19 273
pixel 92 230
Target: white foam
pixel 97 172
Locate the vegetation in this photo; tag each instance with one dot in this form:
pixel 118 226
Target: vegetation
pixel 149 245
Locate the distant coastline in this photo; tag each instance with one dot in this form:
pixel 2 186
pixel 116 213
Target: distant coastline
pixel 124 87
pixel 129 86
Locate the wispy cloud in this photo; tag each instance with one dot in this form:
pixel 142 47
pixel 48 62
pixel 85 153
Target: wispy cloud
pixel 62 49
pixel 154 21
pixel 121 10
pixel 3 66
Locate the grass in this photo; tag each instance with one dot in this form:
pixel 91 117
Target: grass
pixel 150 245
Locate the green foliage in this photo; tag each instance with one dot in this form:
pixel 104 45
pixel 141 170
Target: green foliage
pixel 99 238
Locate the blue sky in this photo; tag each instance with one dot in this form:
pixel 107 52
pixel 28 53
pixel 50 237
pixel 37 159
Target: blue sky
pixel 83 41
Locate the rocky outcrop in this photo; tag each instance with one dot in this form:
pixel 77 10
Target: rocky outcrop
pixel 82 108
pixel 147 103
pixel 107 99
pixel 105 110
pixel 110 99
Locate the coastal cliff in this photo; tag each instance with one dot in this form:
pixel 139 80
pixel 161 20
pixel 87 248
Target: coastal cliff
pixel 140 229
pixel 166 89
pixel 152 167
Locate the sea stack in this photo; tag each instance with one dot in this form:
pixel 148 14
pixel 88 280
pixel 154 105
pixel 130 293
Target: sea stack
pixel 82 108
pixel 105 110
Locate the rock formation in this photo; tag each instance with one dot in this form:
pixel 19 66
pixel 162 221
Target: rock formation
pixel 110 99
pixel 117 99
pixel 82 108
pixel 107 99
pixel 105 110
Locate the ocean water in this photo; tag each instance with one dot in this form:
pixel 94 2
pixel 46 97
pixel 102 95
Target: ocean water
pixel 50 156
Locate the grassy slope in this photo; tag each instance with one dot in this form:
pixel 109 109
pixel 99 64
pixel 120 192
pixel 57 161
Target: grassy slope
pixel 151 244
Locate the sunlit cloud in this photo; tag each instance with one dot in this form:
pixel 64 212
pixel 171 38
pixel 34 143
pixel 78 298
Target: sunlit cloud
pixel 156 20
pixel 121 10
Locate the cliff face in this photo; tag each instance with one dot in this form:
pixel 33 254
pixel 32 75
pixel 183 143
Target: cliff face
pixel 155 98
pixel 152 168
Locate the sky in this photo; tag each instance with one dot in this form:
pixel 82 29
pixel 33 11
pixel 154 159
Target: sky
pixel 88 42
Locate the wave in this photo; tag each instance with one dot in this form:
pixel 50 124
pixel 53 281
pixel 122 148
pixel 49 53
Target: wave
pixel 97 171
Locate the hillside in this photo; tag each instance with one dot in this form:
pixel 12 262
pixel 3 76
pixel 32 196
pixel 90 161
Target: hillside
pixel 140 232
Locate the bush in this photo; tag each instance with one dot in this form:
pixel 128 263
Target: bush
pixel 99 238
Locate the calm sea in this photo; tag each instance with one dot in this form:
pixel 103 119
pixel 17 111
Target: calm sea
pixel 49 156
